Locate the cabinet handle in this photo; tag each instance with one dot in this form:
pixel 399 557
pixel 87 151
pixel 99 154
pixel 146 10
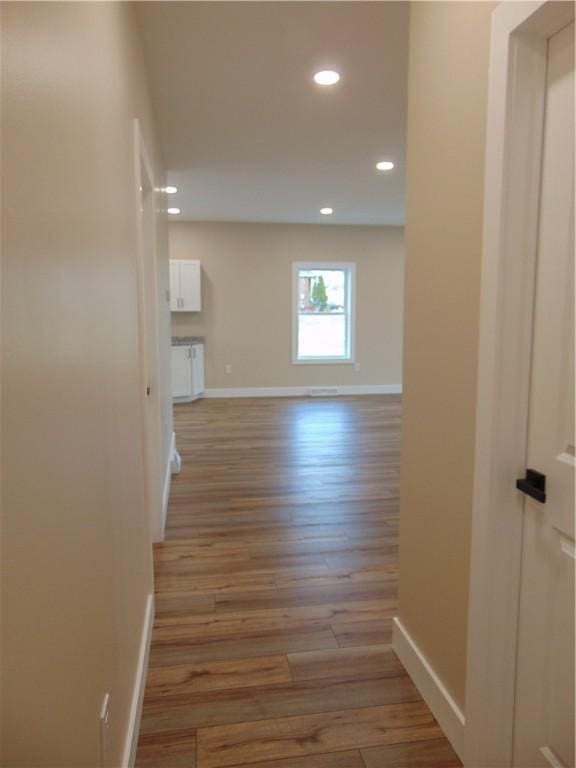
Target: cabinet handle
pixel 194 352
pixel 189 353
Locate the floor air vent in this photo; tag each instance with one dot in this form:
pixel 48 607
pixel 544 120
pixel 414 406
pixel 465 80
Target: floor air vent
pixel 323 391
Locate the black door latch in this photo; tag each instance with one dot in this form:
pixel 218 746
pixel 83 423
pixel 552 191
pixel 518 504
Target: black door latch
pixel 534 484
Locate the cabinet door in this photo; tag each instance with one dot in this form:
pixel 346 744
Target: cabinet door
pixel 181 372
pixel 197 369
pixel 190 286
pixel 175 285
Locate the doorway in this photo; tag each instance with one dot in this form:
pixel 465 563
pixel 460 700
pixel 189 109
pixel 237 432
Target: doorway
pixel 148 337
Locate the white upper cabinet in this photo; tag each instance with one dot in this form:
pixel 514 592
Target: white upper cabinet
pixel 185 286
pixel 174 285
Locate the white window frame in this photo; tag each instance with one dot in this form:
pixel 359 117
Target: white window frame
pixel 350 267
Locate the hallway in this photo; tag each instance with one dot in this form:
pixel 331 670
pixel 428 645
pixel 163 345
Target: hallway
pixel 275 591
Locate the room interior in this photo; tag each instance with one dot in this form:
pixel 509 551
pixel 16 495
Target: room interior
pixel 244 390
pixel 311 172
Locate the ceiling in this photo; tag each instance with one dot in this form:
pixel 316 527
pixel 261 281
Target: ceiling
pixel 246 133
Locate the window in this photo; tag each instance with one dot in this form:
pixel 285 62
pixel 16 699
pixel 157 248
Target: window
pixel 323 328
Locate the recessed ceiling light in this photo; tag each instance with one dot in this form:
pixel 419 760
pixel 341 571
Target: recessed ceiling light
pixel 385 165
pixel 174 211
pixel 326 77
pixel 170 190
pixel 326 211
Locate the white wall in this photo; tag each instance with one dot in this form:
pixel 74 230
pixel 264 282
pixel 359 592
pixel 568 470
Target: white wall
pixel 448 83
pixel 247 300
pixel 76 554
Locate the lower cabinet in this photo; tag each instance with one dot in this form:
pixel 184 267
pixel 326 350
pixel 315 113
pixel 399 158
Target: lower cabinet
pixel 187 372
pixel 197 370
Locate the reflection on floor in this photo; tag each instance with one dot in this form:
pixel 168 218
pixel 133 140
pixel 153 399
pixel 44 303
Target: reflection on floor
pixel 275 590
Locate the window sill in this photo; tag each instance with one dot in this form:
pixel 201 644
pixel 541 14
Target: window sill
pixel 324 361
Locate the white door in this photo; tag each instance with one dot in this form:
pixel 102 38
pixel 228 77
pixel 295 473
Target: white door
pixel 190 286
pixel 197 369
pixel 181 372
pixel 174 286
pixel 148 331
pixel 544 702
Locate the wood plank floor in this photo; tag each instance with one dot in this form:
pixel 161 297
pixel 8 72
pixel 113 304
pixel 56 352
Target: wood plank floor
pixel 275 590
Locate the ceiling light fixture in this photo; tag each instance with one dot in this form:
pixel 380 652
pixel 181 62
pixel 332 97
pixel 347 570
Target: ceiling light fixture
pixel 174 211
pixel 170 190
pixel 326 211
pixel 326 77
pixel 385 165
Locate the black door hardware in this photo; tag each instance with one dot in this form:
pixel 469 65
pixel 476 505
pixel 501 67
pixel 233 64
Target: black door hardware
pixel 534 484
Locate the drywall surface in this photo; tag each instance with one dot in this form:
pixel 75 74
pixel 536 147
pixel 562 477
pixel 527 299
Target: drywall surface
pixel 76 553
pixel 448 73
pixel 247 300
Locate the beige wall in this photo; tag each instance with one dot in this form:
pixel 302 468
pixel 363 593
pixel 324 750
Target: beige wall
pixel 247 300
pixel 76 557
pixel 448 74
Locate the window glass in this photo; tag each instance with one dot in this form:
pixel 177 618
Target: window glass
pixel 323 312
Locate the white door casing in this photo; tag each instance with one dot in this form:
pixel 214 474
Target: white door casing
pixel 516 99
pixel 544 706
pixel 148 336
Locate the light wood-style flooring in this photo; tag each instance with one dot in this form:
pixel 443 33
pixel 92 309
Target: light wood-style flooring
pixel 275 589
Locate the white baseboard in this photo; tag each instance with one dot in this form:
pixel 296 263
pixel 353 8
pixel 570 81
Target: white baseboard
pixel 167 481
pixel 133 729
pixel 356 389
pixel 371 389
pixel 186 399
pixel 443 707
pixel 176 463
